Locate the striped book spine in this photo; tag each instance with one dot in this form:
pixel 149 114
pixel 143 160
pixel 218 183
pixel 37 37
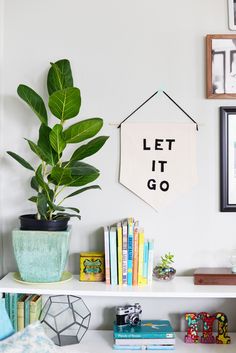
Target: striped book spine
pixel 135 255
pixel 141 257
pixel 119 252
pixel 150 260
pixel 124 251
pixel 145 262
pixel 113 255
pixel 130 251
pixel 107 255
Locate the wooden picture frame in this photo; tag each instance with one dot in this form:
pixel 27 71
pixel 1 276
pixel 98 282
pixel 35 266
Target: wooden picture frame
pixel 228 159
pixel 232 14
pixel 221 66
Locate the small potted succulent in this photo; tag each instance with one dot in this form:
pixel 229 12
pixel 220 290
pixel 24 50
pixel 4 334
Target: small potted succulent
pixel 164 271
pixel 41 244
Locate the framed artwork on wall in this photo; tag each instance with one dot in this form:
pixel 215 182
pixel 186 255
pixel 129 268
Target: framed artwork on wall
pixel 221 66
pixel 228 159
pixel 232 14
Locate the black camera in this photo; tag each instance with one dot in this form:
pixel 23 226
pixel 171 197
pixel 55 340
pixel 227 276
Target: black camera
pixel 128 315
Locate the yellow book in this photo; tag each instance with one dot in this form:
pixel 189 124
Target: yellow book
pixel 21 312
pixel 35 308
pixel 119 253
pixel 141 280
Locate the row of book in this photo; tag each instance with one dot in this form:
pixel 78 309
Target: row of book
pixel 128 255
pixel 148 335
pixel 23 309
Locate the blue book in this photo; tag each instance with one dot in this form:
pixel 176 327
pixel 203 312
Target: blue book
pixel 145 260
pixel 13 309
pixel 146 329
pixel 130 252
pixel 113 255
pixel 139 348
pixel 6 328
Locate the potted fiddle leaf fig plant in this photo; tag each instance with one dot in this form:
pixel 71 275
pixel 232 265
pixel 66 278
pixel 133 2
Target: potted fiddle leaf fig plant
pixel 44 234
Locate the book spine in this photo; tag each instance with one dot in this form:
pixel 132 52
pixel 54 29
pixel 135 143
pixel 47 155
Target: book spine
pixel 145 261
pixel 150 260
pixel 7 306
pixel 119 253
pixel 20 316
pixel 14 310
pixel 27 312
pixel 135 256
pixel 124 252
pixel 140 259
pixel 107 255
pixel 141 347
pixel 130 252
pixel 113 255
pixel 143 335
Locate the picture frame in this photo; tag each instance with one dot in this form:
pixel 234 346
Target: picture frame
pixel 228 159
pixel 221 66
pixel 232 14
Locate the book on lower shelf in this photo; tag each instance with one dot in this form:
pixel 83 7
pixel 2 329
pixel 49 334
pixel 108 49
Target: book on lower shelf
pixel 148 335
pixel 23 309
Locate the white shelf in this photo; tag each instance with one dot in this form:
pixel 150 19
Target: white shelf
pixel 179 287
pixel 101 342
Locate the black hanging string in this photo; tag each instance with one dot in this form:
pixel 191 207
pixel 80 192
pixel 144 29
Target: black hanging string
pixel 171 99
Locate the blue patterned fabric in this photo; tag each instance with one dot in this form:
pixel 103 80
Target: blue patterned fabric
pixel 31 340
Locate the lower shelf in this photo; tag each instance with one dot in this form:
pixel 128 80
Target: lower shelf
pixel 101 342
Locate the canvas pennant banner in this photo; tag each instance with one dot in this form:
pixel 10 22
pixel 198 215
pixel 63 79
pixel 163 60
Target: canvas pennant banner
pixel 158 160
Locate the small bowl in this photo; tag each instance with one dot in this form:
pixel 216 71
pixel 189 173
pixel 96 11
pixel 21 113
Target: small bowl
pixel 164 274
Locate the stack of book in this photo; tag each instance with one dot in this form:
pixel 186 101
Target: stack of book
pixel 23 309
pixel 128 255
pixel 148 335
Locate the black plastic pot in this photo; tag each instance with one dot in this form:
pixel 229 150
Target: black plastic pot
pixel 30 222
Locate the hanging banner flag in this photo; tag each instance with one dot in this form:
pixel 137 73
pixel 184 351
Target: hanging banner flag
pixel 158 160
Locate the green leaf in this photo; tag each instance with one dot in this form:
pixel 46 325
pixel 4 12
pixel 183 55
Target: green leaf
pixel 37 150
pixel 34 184
pixel 41 182
pixel 60 175
pixel 33 199
pixel 82 190
pixel 34 101
pixel 59 76
pixel 20 160
pixel 65 104
pixel 65 214
pixel 42 205
pixel 72 209
pixel 56 139
pixel 89 149
pixel 83 130
pixel 46 151
pixel 82 174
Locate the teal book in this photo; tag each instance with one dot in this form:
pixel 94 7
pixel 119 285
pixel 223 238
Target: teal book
pixel 141 348
pixel 27 310
pixel 6 328
pixel 145 260
pixel 130 251
pixel 7 304
pixel 113 255
pixel 13 309
pixel 147 329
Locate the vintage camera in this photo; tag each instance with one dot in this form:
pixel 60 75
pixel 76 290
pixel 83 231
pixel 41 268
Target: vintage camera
pixel 128 315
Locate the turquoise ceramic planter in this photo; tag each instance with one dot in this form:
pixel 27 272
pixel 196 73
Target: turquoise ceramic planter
pixel 41 256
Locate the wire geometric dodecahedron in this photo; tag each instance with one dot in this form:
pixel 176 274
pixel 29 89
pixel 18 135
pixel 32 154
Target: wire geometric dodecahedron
pixel 65 319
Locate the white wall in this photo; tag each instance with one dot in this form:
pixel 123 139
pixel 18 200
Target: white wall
pixel 121 52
